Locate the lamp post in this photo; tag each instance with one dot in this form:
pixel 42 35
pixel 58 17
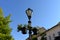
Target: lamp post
pixel 29 13
pixel 24 28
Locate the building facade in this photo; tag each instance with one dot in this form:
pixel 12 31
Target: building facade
pixel 52 33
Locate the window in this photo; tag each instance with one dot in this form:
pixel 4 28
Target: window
pixel 59 33
pixel 49 37
pixel 45 38
pixel 53 35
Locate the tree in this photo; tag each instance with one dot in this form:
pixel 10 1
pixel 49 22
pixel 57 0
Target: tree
pixel 5 30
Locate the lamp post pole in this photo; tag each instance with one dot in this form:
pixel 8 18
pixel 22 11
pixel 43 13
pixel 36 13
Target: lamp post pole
pixel 24 29
pixel 29 13
pixel 30 31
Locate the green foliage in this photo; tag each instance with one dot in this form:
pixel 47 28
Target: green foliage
pixel 34 37
pixel 34 31
pixel 43 38
pixel 1 13
pixel 19 27
pixel 22 28
pixel 5 30
pixel 24 31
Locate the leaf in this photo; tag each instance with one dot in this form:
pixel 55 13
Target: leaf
pixel 1 13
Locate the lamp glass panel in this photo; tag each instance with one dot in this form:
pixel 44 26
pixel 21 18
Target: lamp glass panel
pixel 29 12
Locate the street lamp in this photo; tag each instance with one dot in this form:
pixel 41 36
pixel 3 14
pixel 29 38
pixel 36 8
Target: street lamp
pixel 29 13
pixel 24 28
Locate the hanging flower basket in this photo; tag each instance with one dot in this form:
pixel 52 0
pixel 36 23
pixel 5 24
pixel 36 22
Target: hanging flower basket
pixel 34 31
pixel 19 27
pixel 24 31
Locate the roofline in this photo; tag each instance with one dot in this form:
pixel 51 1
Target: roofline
pixel 54 26
pixel 51 28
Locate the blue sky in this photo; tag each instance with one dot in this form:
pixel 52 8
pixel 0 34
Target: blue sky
pixel 46 13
